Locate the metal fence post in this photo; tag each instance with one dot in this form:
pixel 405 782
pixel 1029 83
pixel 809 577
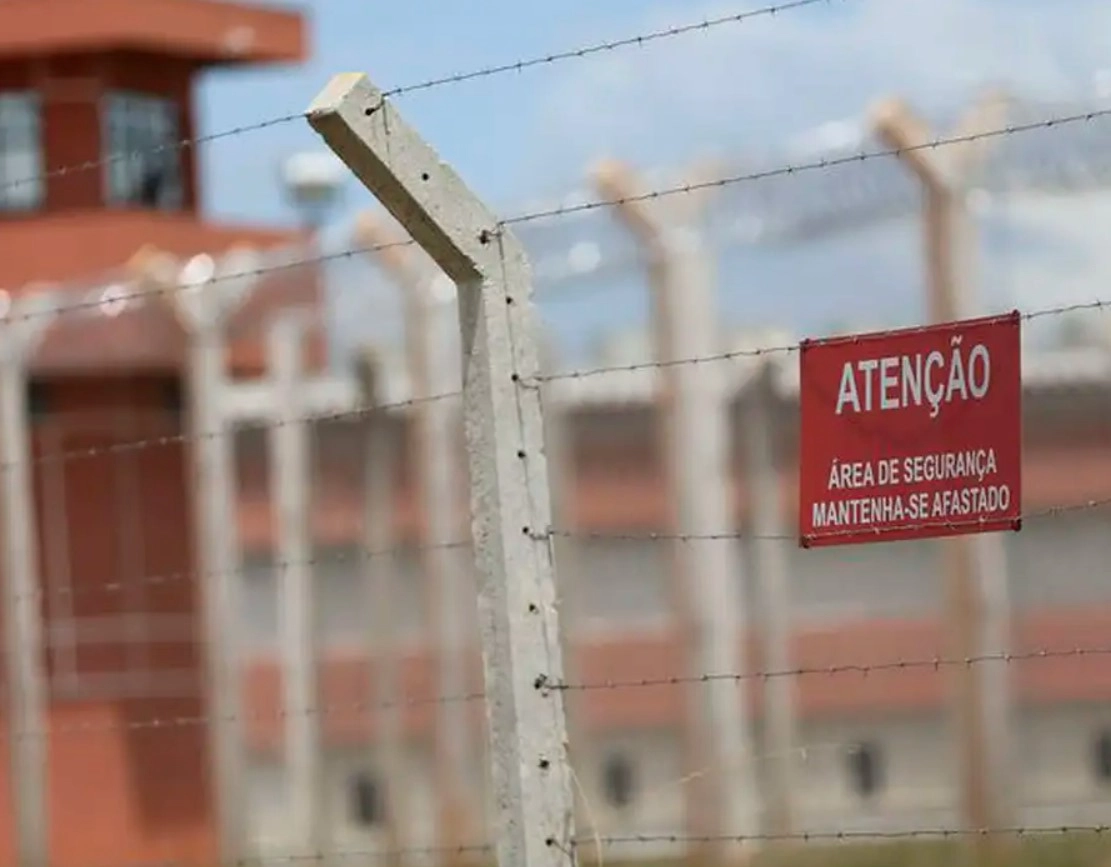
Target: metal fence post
pixel 510 502
pixel 289 477
pixel 975 566
pixel 434 371
pixel 203 296
pixel 698 457
pixel 28 691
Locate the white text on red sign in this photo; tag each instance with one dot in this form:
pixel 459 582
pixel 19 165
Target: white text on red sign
pixel 979 498
pixel 901 381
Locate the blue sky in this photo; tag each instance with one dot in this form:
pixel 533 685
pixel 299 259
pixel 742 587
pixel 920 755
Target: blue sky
pixel 768 85
pixel 489 128
pixel 740 86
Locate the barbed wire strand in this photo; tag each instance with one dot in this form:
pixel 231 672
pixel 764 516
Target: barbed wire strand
pixel 638 40
pixel 358 556
pixel 355 554
pixel 1023 832
pixel 352 415
pixel 357 413
pixel 596 204
pixel 178 721
pixel 1099 304
pixel 369 707
pixel 844 836
pixel 262 859
pixel 863 669
pixel 815 165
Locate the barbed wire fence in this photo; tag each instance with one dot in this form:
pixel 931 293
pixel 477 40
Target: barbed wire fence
pixel 365 479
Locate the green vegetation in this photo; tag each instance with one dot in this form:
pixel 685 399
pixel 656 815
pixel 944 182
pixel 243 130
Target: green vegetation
pixel 1073 850
pixel 1046 850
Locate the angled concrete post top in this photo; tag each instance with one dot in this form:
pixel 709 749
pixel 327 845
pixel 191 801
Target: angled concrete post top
pixel 947 166
pixel 406 175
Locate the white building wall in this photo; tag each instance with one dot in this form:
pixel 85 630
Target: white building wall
pixel 658 788
pixel 1060 780
pixel 624 585
pixel 1059 783
pixel 274 829
pixel 914 760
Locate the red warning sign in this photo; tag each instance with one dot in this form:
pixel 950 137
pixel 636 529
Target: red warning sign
pixel 912 433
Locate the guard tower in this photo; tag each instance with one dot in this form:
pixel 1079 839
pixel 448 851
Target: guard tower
pixel 81 82
pixel 95 98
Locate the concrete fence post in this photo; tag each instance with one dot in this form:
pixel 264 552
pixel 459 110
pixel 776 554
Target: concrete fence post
pixel 290 471
pixel 510 500
pixel 433 371
pixel 28 692
pixel 770 570
pixel 975 567
pixel 381 458
pixel 203 295
pixel 695 423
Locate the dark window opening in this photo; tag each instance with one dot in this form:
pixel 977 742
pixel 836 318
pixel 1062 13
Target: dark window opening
pixel 38 399
pixel 173 395
pixel 865 768
pixel 618 780
pixel 1103 757
pixel 368 805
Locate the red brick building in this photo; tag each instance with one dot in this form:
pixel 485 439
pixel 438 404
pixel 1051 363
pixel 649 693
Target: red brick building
pixel 95 99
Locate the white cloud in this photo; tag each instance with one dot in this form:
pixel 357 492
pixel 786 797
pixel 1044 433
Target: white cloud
pixel 756 83
pixel 805 78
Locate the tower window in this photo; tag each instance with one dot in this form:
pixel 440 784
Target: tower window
pixel 368 807
pixel 21 166
pixel 1102 757
pixel 142 136
pixel 865 769
pixel 618 780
